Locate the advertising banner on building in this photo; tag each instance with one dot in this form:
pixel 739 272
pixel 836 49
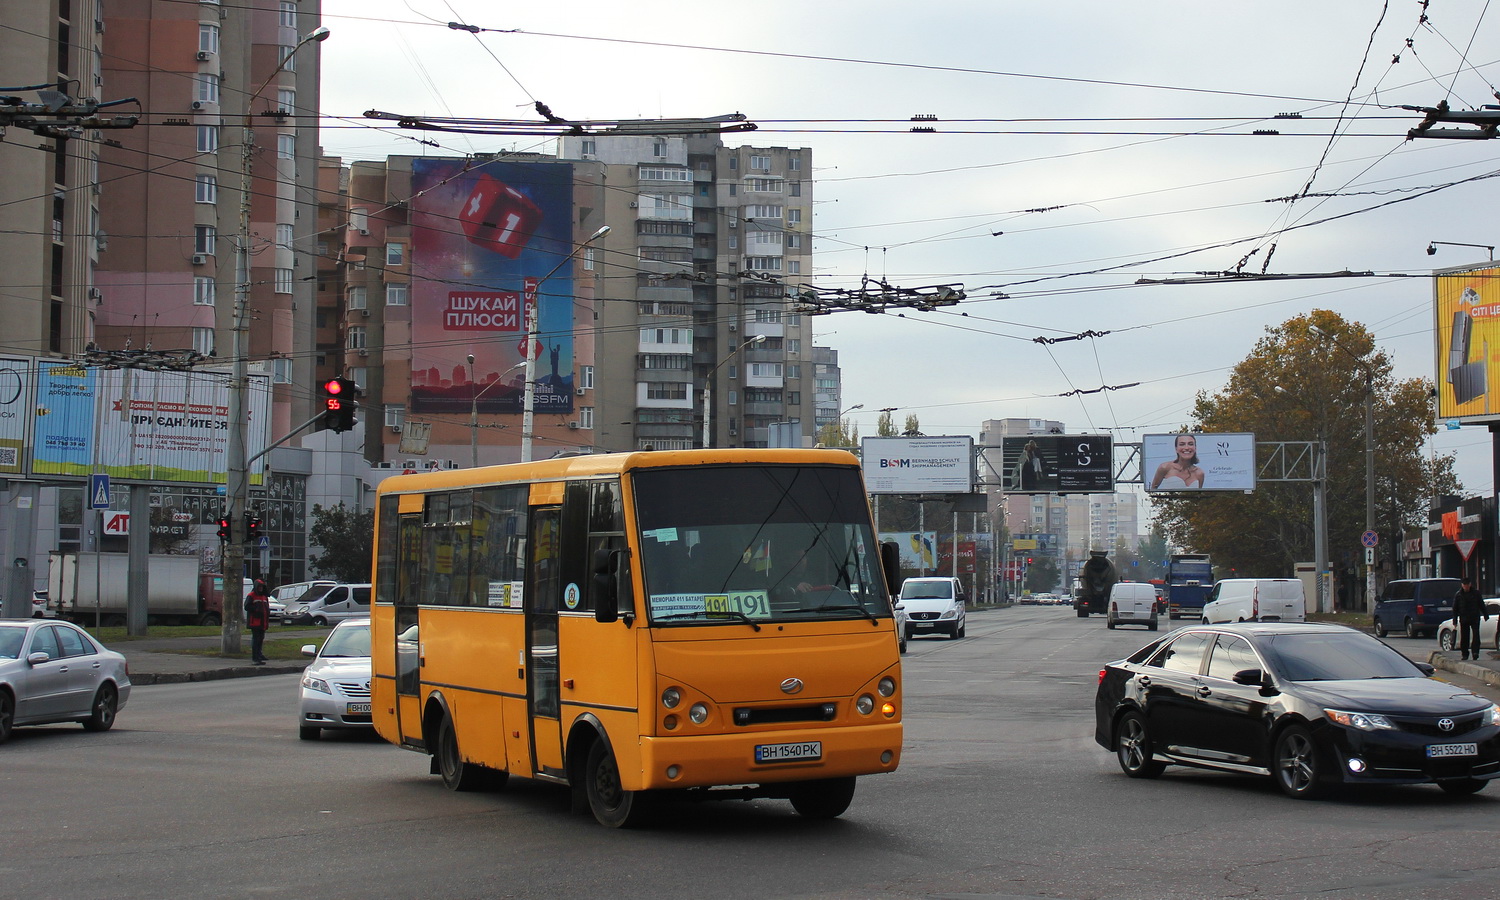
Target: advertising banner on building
pixel 135 424
pixel 966 557
pixel 487 241
pixel 1466 305
pixel 1058 464
pixel 918 465
pixel 17 382
pixel 1198 462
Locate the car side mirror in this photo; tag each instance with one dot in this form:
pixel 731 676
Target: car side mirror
pixel 1426 668
pixel 309 650
pixel 1249 677
pixel 37 658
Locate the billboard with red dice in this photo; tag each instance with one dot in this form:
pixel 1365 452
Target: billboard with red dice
pixel 484 238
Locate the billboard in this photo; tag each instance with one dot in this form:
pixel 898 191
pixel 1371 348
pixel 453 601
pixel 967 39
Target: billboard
pixel 1198 462
pixel 918 548
pixel 487 241
pixel 1058 464
pixel 918 465
pixel 1467 329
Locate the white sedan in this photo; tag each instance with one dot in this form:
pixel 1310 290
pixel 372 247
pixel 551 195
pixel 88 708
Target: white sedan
pixel 1448 631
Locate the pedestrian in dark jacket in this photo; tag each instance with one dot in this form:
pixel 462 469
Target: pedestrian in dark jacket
pixel 257 619
pixel 1468 608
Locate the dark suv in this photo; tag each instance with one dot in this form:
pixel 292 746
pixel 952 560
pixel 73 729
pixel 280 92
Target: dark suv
pixel 1416 606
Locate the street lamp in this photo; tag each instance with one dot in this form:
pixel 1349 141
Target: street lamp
pixel 708 386
pixel 533 350
pixel 1369 451
pixel 474 408
pixel 1433 245
pixel 236 477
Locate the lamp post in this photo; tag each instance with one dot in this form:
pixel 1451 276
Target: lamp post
pixel 236 477
pixel 1322 600
pixel 708 388
pixel 474 408
pixel 1433 245
pixel 1369 451
pixel 532 350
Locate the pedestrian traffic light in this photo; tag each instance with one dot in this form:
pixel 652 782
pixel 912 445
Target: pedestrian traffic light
pixel 223 528
pixel 339 403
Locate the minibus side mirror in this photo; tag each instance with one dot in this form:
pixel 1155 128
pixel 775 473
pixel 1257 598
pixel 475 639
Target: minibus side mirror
pixel 890 564
pixel 611 583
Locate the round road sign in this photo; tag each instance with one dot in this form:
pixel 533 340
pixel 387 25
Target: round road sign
pixel 1369 539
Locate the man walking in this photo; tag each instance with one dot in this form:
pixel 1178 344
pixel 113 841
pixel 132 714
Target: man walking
pixel 257 619
pixel 1468 608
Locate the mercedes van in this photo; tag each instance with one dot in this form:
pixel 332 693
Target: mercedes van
pixel 1255 600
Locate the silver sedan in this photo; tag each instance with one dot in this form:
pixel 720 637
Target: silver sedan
pixel 53 671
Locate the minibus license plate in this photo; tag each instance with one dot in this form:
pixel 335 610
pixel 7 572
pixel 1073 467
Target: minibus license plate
pixel 804 750
pixel 357 709
pixel 1437 750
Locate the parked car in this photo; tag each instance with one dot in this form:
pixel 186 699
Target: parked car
pixel 1307 705
pixel 288 595
pixel 335 689
pixel 1415 606
pixel 898 609
pixel 325 606
pixel 1448 631
pixel 1255 600
pixel 1131 603
pixel 53 671
pixel 39 608
pixel 934 606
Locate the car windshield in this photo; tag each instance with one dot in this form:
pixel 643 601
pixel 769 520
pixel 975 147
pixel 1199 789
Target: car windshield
pixel 931 590
pixel 315 593
pixel 11 639
pixel 1334 656
pixel 723 545
pixel 348 640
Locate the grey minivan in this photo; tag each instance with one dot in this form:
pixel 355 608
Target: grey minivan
pixel 335 603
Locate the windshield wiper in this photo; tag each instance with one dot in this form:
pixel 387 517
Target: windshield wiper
pixel 846 606
pixel 728 613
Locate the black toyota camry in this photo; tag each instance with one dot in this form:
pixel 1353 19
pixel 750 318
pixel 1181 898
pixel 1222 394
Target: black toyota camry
pixel 1308 705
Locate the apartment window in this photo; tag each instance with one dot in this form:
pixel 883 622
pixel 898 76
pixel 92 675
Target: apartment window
pixel 207 190
pixel 208 38
pixel 588 147
pixel 734 242
pixel 208 88
pixel 396 295
pixel 763 211
pixel 765 185
pixel 286 99
pixel 288 58
pixel 734 163
pixel 793 370
pixel 667 254
pixel 205 290
pixel 204 237
pixel 586 376
pixel 681 361
pixel 286 145
pixel 283 235
pixel 794 163
pixel 395 254
pixel 793 345
pixel 359 219
pixel 208 139
pixel 667 206
pixel 281 370
pixel 203 341
pixel 666 336
pixel 794 398
pixel 585 417
pixel 283 281
pixel 288 14
pixel 662 391
pixel 771 238
pixel 764 370
pixel 357 339
pixel 760 163
pixel 588 259
pixel 763 264
pixel 658 149
pixel 664 173
pixel 768 316
pixel 357 298
pixel 794 267
pixel 395 415
pixel 793 241
pixel 794 216
pixel 794 189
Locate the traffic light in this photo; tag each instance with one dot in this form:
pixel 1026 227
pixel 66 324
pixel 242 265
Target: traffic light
pixel 223 528
pixel 252 526
pixel 339 403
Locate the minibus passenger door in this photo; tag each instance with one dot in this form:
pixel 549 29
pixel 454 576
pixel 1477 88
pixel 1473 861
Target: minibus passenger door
pixel 408 641
pixel 543 587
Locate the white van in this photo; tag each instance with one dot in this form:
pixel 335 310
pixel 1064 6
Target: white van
pixel 285 597
pixel 1131 603
pixel 330 605
pixel 934 606
pixel 1255 600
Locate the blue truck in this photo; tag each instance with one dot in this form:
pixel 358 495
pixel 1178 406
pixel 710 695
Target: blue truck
pixel 1190 577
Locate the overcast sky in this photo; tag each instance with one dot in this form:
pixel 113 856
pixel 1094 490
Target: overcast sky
pixel 1099 135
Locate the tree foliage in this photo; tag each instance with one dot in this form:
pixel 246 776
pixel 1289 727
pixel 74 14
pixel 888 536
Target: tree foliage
pixel 1042 575
pixel 1152 551
pixel 347 538
pixel 884 426
pixel 839 433
pixel 1299 385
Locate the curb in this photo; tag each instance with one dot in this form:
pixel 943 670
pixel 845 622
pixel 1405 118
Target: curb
pixel 246 671
pixel 1462 667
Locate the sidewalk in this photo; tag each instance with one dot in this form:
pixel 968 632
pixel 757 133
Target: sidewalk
pixel 1485 669
pixel 157 661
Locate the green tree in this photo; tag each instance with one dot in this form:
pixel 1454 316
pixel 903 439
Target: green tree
pixel 912 427
pixel 884 427
pixel 1153 551
pixel 347 538
pixel 1041 575
pixel 839 433
pixel 1300 385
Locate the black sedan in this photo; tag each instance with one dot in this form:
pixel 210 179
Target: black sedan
pixel 1308 705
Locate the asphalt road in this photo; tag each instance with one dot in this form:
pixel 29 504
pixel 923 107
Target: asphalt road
pixel 204 790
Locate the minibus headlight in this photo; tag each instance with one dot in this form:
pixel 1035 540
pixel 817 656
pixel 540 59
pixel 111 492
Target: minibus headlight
pixel 887 686
pixel 865 704
pixel 698 713
pixel 671 697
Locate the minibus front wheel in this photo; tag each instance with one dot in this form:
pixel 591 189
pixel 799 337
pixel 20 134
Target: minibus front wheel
pixel 611 804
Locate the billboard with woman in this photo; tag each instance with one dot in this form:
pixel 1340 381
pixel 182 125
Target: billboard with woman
pixel 1198 462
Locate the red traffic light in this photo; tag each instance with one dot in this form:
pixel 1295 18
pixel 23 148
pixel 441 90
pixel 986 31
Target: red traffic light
pixel 334 386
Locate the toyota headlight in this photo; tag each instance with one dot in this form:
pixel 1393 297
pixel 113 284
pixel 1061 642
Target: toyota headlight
pixel 314 683
pixel 1492 715
pixel 1359 720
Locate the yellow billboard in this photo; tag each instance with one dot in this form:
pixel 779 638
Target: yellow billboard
pixel 1023 544
pixel 1467 328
